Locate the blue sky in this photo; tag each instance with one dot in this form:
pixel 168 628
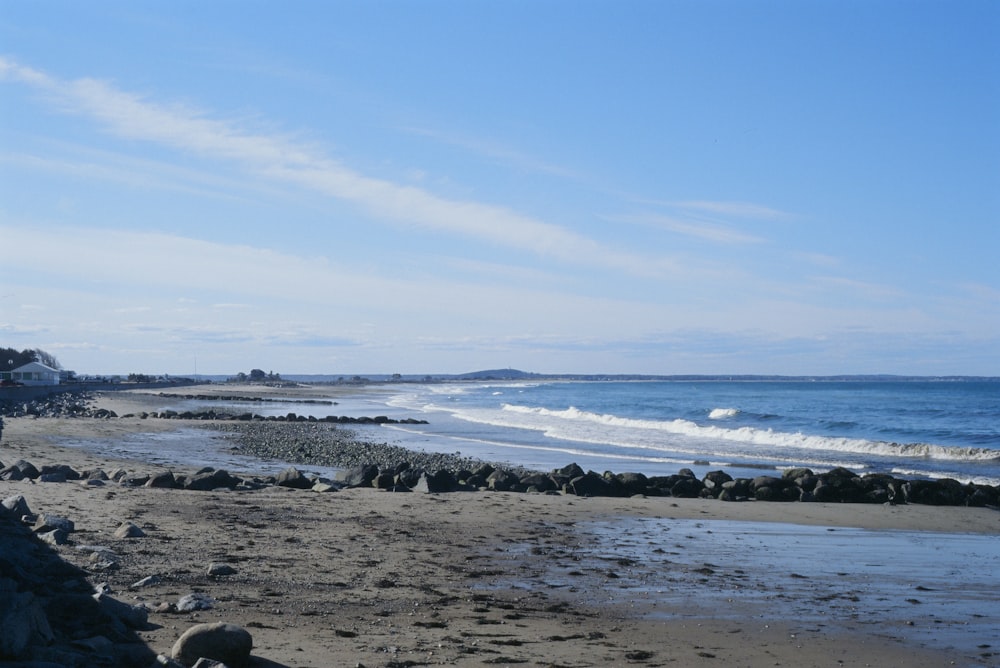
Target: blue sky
pixel 557 186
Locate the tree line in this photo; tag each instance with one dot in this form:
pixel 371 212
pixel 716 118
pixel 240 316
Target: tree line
pixel 11 358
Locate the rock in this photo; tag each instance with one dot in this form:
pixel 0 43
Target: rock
pixel 193 602
pixel 62 471
pixel 439 482
pixel 220 641
pixel 538 482
pixel 589 484
pixel 321 486
pixel 27 469
pixel 206 481
pixel 944 492
pixel 17 505
pixel 384 480
pixel 104 560
pixel 502 480
pixel 209 663
pixel 358 476
pixel 54 537
pixel 796 473
pixel 132 616
pixel 11 474
pixel 713 480
pixel 48 522
pixel 22 619
pixel 220 569
pixel 569 471
pixel 148 581
pixel 633 483
pixel 164 480
pixel 129 530
pixel 292 477
pixel 687 487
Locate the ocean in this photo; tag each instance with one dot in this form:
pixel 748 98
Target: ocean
pixel 913 428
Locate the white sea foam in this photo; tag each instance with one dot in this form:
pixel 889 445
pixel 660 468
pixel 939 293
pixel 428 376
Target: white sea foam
pixel 547 419
pixel 723 413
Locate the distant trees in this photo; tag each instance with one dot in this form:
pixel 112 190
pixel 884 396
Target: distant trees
pixel 11 358
pixel 257 376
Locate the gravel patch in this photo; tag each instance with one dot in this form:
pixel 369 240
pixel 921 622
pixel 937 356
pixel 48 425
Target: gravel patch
pixel 324 444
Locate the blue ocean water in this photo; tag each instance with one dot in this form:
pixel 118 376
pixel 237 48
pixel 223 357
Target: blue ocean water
pixel 911 428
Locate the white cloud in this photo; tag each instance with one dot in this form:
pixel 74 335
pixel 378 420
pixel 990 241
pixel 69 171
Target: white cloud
pixel 700 229
pixel 737 209
pixel 279 157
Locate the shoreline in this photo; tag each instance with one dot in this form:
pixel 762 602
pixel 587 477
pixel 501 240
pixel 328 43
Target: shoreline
pixel 367 577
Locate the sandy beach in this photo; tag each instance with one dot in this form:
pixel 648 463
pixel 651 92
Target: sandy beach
pixel 362 577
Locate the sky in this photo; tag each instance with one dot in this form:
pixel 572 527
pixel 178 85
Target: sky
pixel 557 186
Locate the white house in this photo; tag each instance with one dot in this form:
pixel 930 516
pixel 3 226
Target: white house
pixel 32 373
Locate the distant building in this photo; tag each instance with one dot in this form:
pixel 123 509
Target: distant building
pixel 32 373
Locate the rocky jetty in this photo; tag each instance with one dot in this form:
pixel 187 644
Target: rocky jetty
pixel 80 404
pixel 64 404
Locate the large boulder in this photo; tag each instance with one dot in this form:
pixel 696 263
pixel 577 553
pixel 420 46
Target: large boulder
pixel 502 480
pixel 590 484
pixel 210 480
pixel 633 483
pixel 943 492
pixel 358 476
pixel 686 487
pixel 58 473
pixel 163 480
pixel 713 480
pixel 227 643
pixel 439 482
pixel 294 478
pixel 538 482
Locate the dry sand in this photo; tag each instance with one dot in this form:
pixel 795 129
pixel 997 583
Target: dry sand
pixel 363 577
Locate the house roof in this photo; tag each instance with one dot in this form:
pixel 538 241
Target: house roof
pixel 36 367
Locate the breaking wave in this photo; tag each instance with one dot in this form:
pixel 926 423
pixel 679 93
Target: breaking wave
pixel 574 423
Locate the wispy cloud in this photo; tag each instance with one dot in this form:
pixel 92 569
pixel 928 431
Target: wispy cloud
pixel 282 158
pixel 735 209
pixel 715 222
pixel 699 229
pixel 493 150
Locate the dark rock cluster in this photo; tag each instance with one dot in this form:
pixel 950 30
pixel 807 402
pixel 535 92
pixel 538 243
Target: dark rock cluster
pixel 49 613
pixel 392 467
pixel 838 486
pixel 63 404
pixel 288 417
